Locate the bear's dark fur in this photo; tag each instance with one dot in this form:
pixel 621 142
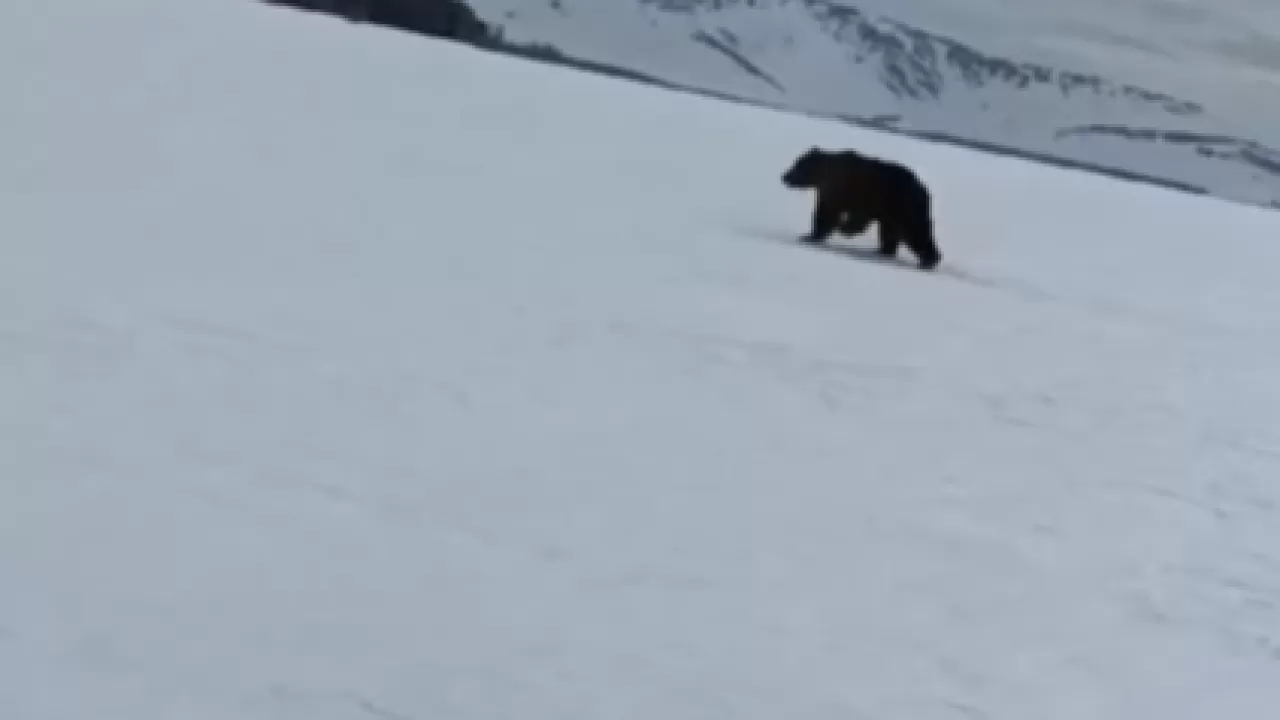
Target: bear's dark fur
pixel 855 190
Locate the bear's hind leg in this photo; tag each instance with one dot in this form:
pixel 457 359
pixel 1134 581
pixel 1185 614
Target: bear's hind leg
pixel 890 239
pixel 920 240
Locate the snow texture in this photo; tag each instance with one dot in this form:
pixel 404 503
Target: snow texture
pixel 350 375
pixel 974 71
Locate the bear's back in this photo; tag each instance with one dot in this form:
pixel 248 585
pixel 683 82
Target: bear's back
pixel 877 185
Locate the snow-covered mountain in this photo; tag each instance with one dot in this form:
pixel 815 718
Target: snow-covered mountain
pixel 350 375
pixel 835 59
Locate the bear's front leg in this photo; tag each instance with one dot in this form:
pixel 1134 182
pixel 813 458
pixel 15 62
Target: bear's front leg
pixel 826 217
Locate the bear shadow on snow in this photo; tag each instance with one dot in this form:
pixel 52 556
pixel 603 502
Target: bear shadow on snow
pixel 865 254
pixel 855 190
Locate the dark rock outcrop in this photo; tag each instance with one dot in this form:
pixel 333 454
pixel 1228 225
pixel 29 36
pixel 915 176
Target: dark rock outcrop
pixel 452 19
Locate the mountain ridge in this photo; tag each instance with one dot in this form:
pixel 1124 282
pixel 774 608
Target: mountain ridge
pixel 834 60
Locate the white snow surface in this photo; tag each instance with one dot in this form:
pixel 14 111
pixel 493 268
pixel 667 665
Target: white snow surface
pixel 351 375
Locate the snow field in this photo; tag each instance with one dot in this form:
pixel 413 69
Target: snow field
pixel 352 375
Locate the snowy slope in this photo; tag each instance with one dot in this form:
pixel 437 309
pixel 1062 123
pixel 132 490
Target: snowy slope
pixel 348 374
pixel 928 67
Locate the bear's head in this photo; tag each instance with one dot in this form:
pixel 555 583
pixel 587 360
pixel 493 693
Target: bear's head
pixel 807 171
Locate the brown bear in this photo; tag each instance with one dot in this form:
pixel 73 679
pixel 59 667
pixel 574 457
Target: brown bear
pixel 855 190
